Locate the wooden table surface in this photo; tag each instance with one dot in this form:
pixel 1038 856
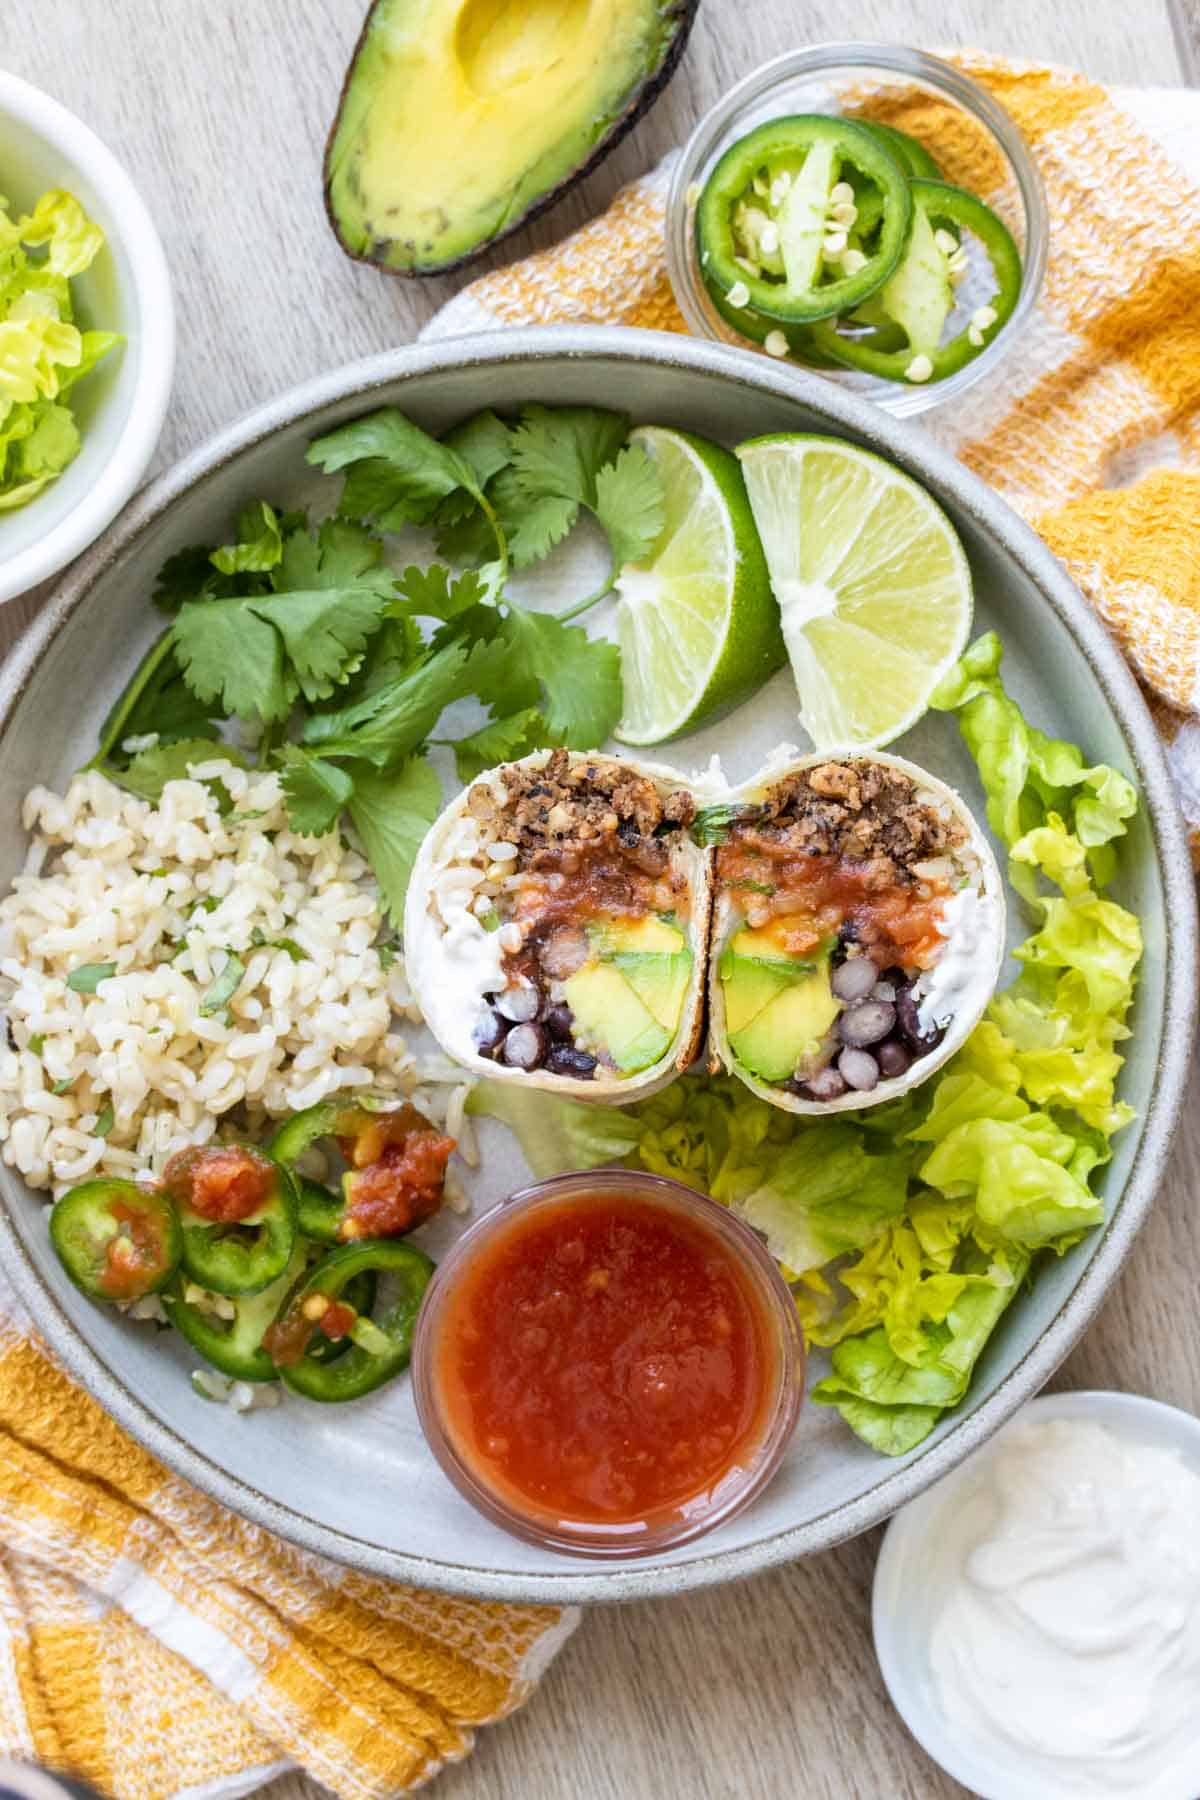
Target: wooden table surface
pixel 767 1688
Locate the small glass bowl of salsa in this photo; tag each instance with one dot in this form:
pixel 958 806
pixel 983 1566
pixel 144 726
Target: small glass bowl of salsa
pixel 609 1364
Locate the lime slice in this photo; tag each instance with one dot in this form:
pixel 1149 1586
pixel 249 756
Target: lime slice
pixel 872 583
pixel 697 626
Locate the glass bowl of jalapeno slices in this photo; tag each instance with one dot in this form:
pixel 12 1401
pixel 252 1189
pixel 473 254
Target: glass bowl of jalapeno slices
pixel 864 210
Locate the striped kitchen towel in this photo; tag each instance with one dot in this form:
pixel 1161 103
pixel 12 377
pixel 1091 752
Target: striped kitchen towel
pixel 156 1645
pixel 1091 428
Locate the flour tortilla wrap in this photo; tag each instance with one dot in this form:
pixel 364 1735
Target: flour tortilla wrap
pixel 454 960
pixel 974 933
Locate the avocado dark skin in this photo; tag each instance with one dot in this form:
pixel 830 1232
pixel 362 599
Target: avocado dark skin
pixel 441 246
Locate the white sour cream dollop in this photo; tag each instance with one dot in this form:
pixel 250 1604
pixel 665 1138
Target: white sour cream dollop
pixel 970 928
pixel 1066 1640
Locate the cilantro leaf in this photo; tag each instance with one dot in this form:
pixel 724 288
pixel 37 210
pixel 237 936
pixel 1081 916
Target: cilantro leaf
pixel 233 658
pixel 342 553
pixel 433 593
pixel 391 814
pixel 483 440
pixel 533 524
pixel 464 533
pixel 500 740
pixel 257 653
pixel 217 997
pixel 561 450
pixel 155 700
pixel 316 791
pixel 259 543
pixel 391 722
pixel 395 647
pixel 394 472
pixel 182 577
pixel 261 941
pixel 85 978
pixel 149 771
pixel 324 631
pixel 579 677
pixel 630 505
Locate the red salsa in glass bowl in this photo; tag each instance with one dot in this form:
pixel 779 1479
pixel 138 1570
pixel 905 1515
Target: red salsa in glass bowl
pixel 608 1364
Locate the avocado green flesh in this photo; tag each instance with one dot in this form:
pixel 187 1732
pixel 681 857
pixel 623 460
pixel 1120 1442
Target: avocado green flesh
pixel 458 117
pixel 788 1029
pixel 628 997
pixel 608 1014
pixel 660 983
pixel 748 986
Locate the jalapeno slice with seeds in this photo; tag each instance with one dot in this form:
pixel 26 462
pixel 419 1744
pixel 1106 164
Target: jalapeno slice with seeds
pixel 116 1240
pixel 238 1212
pixel 940 206
pixel 380 1340
pixel 767 220
pixel 235 1346
pixel 396 1176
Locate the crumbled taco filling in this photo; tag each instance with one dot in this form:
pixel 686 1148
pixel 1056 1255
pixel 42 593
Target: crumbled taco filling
pixel 594 903
pixel 841 875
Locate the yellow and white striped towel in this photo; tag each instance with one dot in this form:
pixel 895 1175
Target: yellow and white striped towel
pixel 158 1645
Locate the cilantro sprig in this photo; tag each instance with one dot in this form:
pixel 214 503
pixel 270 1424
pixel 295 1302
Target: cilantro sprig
pixel 346 669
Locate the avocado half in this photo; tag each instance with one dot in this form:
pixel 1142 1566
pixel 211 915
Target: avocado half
pixel 460 120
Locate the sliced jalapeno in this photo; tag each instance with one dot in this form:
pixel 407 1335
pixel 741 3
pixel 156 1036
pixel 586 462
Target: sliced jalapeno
pixel 397 1167
pixel 921 293
pixel 116 1240
pixel 338 1117
pixel 238 1211
pixel 359 1292
pixel 908 151
pixel 235 1346
pixel 768 219
pixel 380 1340
pixel 320 1213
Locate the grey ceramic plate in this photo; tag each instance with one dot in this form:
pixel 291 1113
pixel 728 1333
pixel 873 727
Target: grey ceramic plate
pixel 356 1482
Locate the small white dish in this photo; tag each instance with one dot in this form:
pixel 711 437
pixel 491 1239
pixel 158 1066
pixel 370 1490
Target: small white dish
pixel 121 406
pixel 903 1599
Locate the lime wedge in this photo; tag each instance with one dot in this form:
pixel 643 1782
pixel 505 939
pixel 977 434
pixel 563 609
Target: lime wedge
pixel 872 583
pixel 697 626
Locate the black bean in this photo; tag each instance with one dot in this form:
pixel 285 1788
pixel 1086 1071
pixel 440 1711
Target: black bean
pixel 909 1021
pixel 866 1023
pixel 490 1033
pixel 564 1059
pixel 524 1047
pixel 847 932
pixel 858 1069
pixel 826 1084
pixel 893 1059
pixel 519 1004
pixel 853 979
pixel 558 1021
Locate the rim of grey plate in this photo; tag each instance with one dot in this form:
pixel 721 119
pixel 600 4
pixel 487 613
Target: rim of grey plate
pixel 909 447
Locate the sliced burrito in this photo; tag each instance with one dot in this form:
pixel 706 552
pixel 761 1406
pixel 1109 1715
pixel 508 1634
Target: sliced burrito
pixel 858 930
pixel 556 926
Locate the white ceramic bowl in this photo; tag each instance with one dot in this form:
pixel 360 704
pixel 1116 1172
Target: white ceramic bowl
pixel 902 1614
pixel 121 405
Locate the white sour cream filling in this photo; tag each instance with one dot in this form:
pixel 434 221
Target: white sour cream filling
pixel 470 964
pixel 969 924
